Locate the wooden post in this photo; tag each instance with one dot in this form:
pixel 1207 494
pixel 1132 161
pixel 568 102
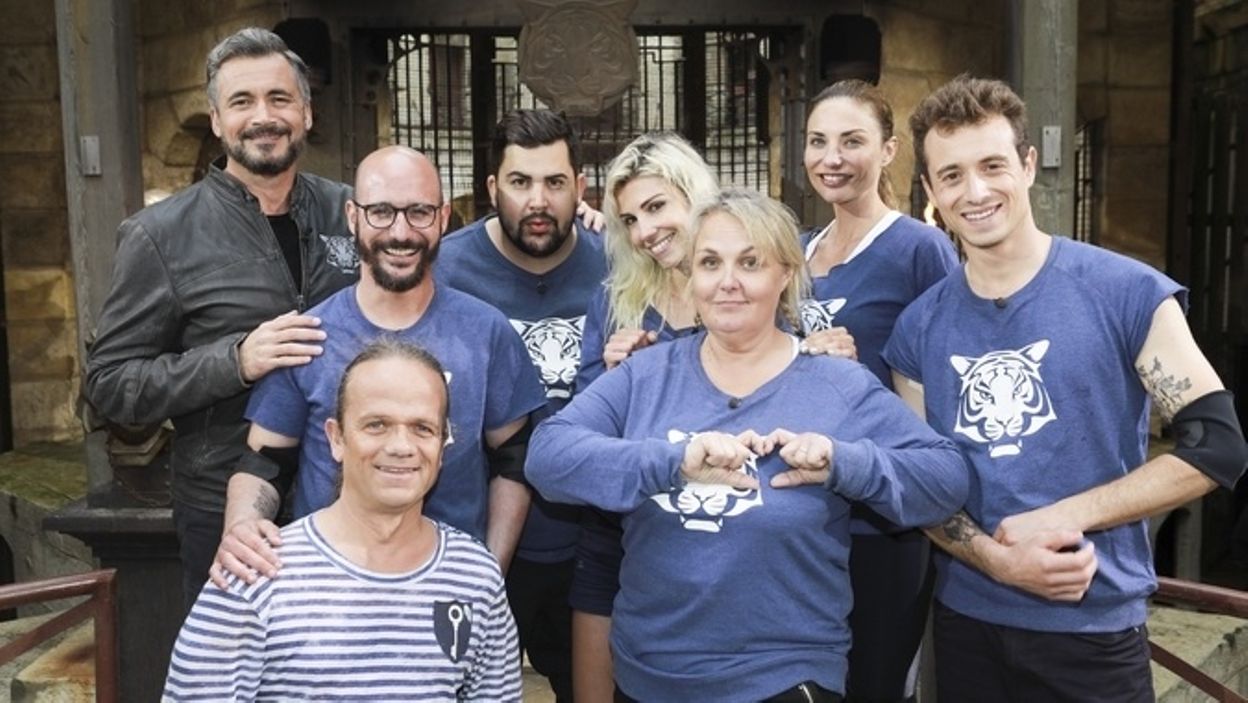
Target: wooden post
pixel 1044 39
pixel 103 173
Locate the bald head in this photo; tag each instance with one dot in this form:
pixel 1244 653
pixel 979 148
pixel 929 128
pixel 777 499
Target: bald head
pixel 398 217
pixel 400 172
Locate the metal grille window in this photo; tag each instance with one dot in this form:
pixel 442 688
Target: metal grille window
pixel 710 86
pixel 429 89
pixel 1087 182
pixel 736 114
pixel 653 104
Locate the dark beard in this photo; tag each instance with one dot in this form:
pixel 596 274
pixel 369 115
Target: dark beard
pixel 514 233
pixel 371 256
pixel 263 164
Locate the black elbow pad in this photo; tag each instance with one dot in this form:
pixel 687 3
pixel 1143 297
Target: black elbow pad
pixel 277 465
pixel 1208 436
pixel 507 459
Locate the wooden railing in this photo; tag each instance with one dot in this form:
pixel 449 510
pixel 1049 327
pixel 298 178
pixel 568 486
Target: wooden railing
pixel 101 604
pixel 1213 599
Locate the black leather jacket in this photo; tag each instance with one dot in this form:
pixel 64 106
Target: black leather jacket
pixel 192 276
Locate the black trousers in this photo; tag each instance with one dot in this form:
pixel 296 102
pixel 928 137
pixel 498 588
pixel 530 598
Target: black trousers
pixel 979 662
pixel 892 578
pixel 538 594
pixel 199 534
pixel 805 692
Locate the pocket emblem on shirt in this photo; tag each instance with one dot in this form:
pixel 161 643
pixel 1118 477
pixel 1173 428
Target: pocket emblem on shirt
pixel 452 625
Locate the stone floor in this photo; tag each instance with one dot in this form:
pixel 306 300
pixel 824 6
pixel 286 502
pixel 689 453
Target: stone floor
pixel 536 688
pixel 47 477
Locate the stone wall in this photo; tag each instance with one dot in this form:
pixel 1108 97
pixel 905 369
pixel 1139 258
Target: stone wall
pixel 38 289
pixel 925 44
pixel 176 36
pixel 1124 79
pixel 34 483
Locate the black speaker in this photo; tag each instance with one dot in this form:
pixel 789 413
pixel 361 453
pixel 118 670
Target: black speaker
pixel 849 47
pixel 309 38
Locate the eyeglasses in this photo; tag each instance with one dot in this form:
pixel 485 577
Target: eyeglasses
pixel 383 215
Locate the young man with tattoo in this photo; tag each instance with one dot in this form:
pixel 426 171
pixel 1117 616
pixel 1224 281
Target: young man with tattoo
pixel 1039 358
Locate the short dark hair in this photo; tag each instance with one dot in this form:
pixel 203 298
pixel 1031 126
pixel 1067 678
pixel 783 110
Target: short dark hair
pixel 530 129
pixel 255 43
pixel 394 348
pixel 967 101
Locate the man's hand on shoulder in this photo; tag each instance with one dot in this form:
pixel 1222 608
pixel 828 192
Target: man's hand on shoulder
pixel 250 539
pixel 590 218
pixel 291 339
pixel 247 549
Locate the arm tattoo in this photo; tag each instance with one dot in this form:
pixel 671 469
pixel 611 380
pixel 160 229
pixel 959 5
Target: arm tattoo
pixel 960 529
pixel 267 502
pixel 1166 390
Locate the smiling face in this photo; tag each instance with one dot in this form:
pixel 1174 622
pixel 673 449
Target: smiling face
pixel 657 217
pixel 845 150
pixel 398 257
pixel 390 439
pixel 536 192
pixel 736 285
pixel 978 182
pixel 260 115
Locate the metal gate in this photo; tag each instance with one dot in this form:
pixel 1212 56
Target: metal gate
pixel 1218 226
pixel 447 90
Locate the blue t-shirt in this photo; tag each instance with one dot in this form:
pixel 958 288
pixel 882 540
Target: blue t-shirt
pixel 491 380
pixel 731 595
pixel 898 259
pixel 598 331
pixel 548 312
pixel 1042 395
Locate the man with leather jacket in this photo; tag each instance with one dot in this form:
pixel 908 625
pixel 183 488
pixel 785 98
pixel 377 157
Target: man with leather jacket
pixel 209 285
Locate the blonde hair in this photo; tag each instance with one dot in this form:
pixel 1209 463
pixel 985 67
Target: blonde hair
pixel 636 280
pixel 772 228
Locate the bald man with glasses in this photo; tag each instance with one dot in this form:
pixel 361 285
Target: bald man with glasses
pixel 493 385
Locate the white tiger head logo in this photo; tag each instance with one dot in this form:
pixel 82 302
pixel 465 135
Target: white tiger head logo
pixel 340 253
pixel 817 315
pixel 554 345
pixel 1003 397
pixel 703 506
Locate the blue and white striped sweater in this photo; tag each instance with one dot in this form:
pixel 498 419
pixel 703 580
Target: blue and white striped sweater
pixel 327 629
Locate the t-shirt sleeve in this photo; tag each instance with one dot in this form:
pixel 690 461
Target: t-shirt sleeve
pixel 593 341
pixel 902 350
pixel 497 675
pixel 934 258
pixel 219 653
pixel 1147 290
pixel 513 388
pixel 278 404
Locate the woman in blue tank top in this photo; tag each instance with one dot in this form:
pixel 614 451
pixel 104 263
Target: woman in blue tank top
pixel 866 266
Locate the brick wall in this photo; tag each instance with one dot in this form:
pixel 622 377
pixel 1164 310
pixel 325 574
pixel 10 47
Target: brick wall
pixel 176 37
pixel 38 290
pixel 925 44
pixel 1124 79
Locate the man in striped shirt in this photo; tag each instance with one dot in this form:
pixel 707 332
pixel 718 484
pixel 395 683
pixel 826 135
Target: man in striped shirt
pixel 374 601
